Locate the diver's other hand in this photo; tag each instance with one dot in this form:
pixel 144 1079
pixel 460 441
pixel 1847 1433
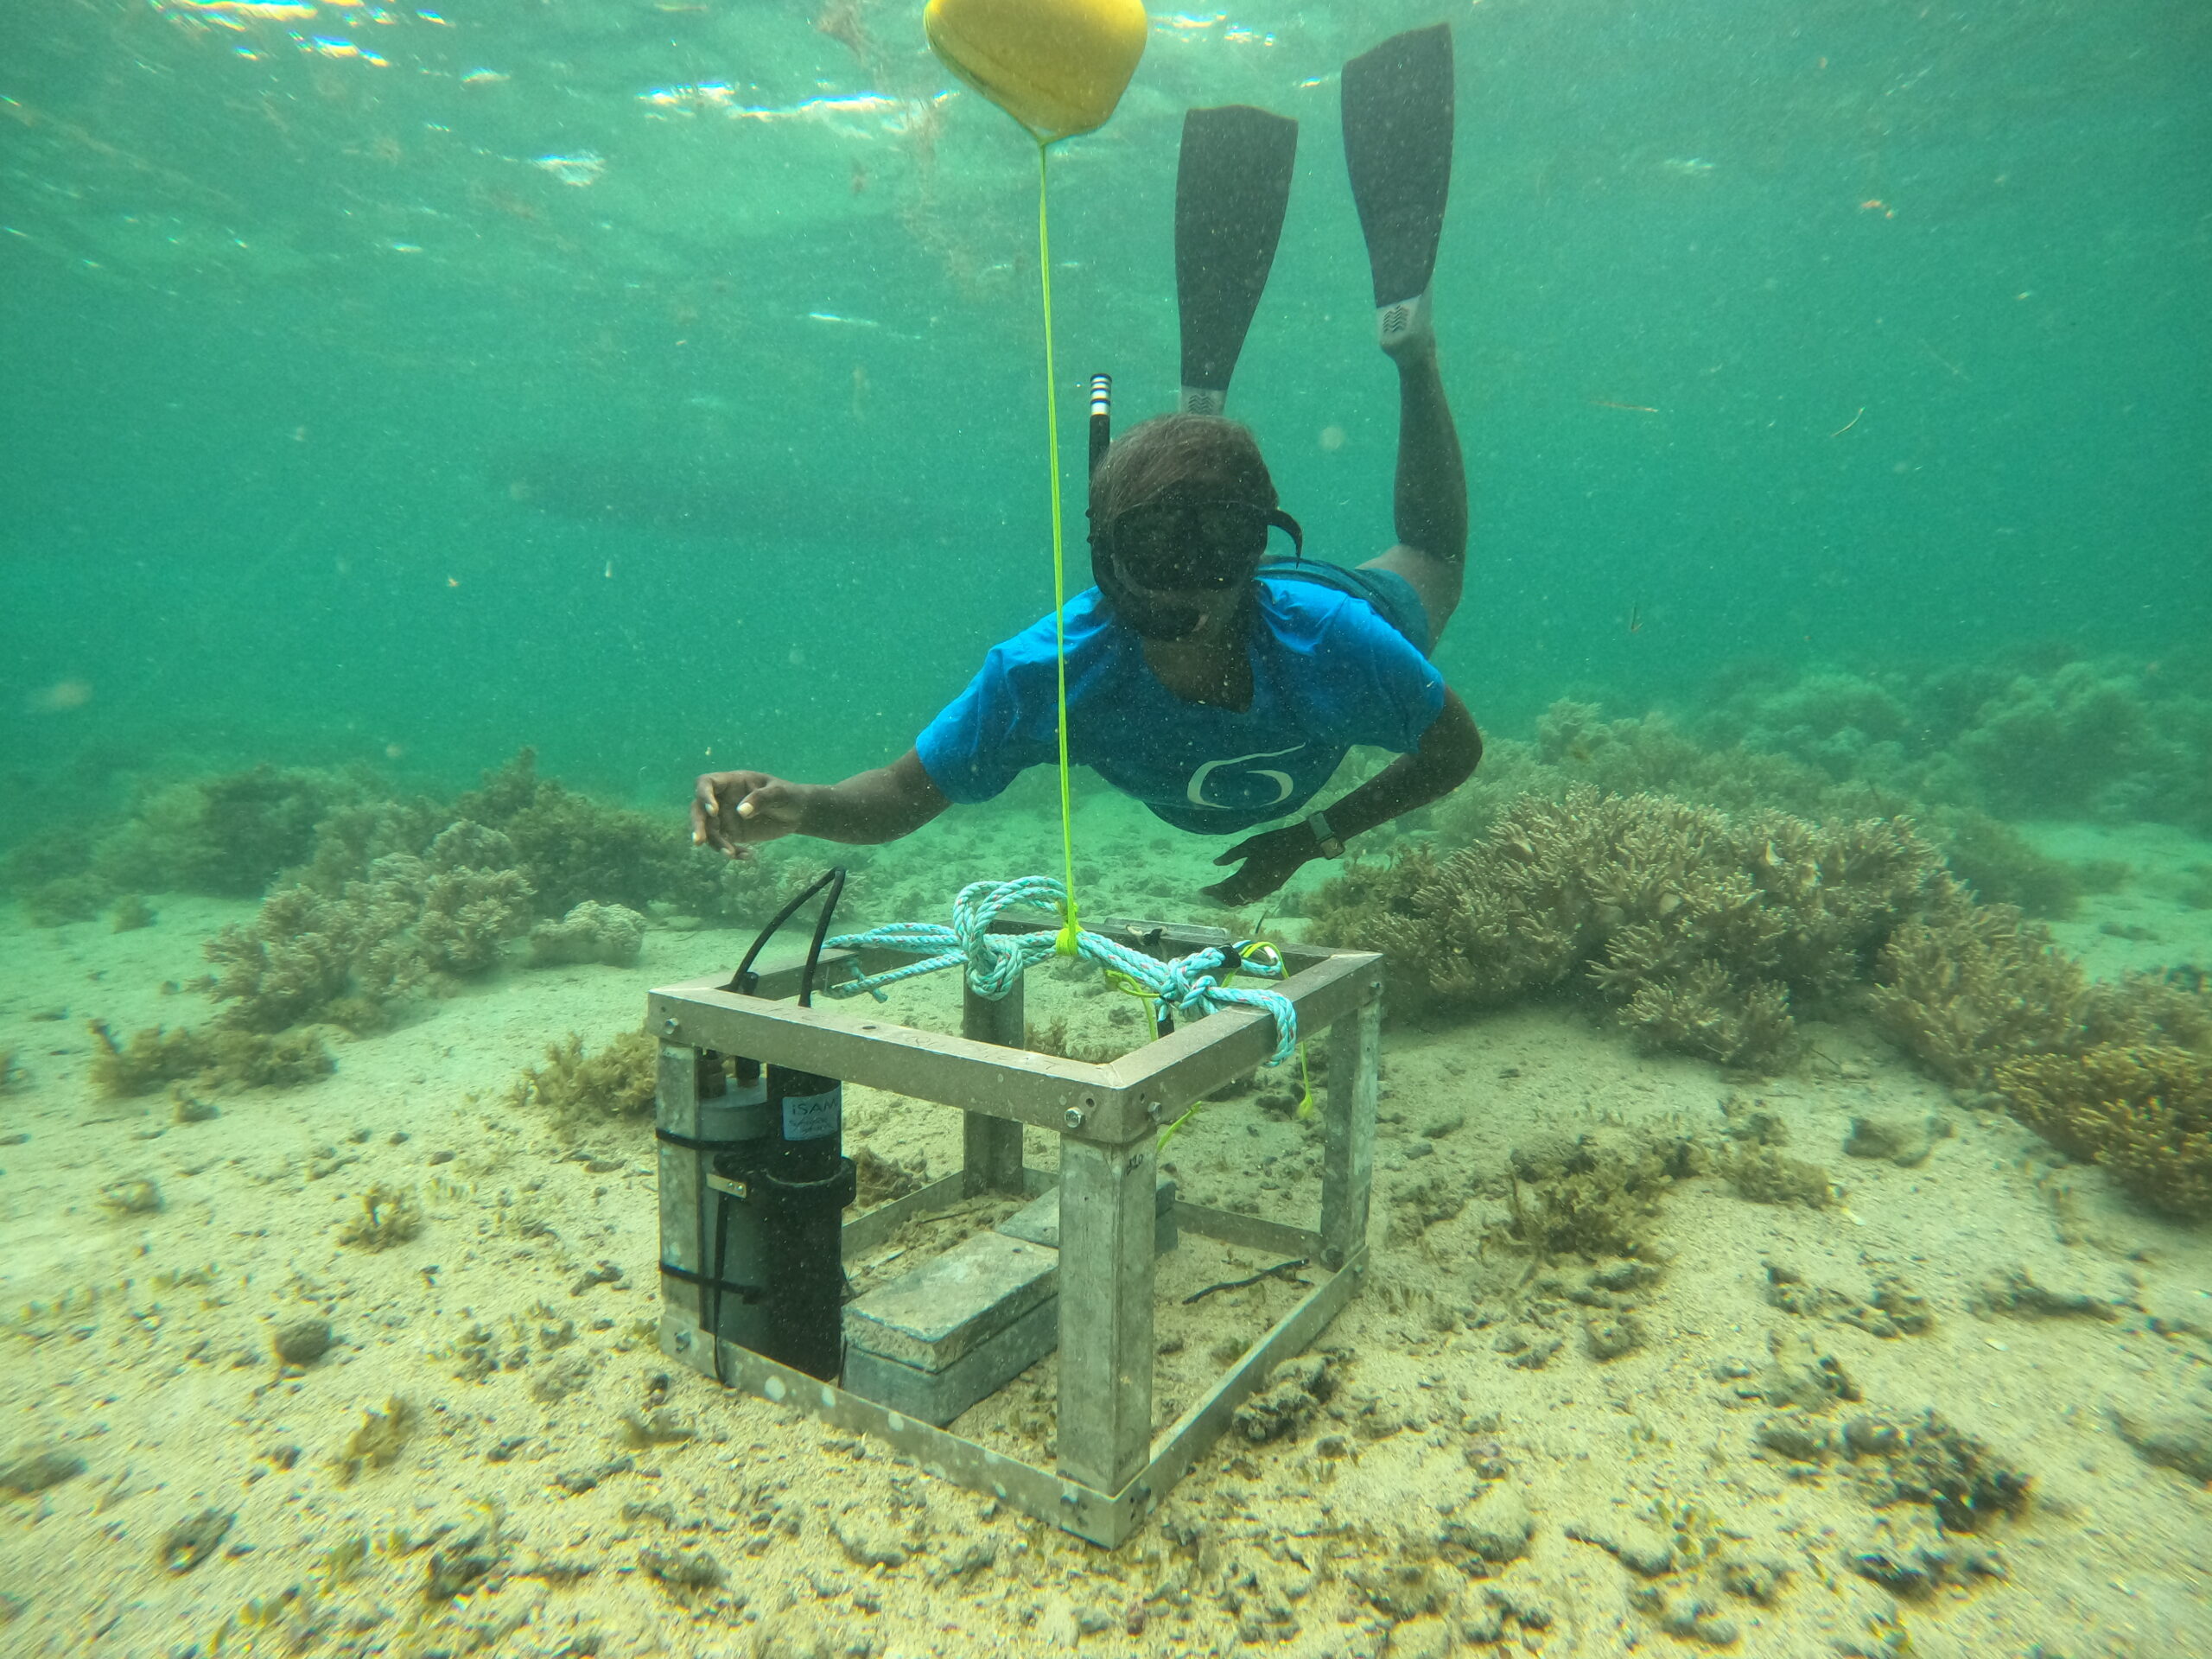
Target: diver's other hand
pixel 1269 861
pixel 733 810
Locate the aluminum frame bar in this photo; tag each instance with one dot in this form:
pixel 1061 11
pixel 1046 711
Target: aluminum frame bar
pixel 1111 1470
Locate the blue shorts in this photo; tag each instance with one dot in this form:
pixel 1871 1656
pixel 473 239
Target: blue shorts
pixel 1391 593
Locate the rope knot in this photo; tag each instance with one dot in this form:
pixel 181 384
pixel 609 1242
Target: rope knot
pixel 996 960
pixel 1193 986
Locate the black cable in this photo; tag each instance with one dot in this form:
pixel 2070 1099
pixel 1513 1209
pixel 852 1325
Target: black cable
pixel 742 980
pixel 721 1267
pixel 837 880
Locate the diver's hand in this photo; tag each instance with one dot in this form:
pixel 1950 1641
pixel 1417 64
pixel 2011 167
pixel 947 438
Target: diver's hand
pixel 732 811
pixel 1269 861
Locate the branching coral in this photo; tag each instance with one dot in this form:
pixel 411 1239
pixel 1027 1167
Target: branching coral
pixel 583 1091
pixel 2044 735
pixel 153 1057
pixel 612 934
pixel 2143 1111
pixel 1649 754
pixel 129 914
pixel 1703 1012
pixel 2055 743
pixel 229 834
pixel 380 938
pixel 466 915
pixel 65 898
pixel 1708 932
pixel 748 892
pixel 207 1057
pixel 1996 862
pixel 572 848
pixel 1702 928
pixel 382 897
pixel 352 838
pixel 1967 986
pixel 2118 1073
pixel 224 835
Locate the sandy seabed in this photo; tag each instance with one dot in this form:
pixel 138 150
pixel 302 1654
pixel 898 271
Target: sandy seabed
pixel 540 1505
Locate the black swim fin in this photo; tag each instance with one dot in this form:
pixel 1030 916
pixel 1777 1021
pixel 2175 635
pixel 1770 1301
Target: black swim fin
pixel 1231 189
pixel 1398 111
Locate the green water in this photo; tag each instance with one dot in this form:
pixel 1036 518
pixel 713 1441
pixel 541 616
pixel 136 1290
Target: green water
pixel 340 424
pixel 659 387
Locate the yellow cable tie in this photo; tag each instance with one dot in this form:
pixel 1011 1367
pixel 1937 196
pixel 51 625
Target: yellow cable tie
pixel 1168 1134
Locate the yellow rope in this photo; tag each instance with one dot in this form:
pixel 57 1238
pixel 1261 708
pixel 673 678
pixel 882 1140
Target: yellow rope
pixel 1066 942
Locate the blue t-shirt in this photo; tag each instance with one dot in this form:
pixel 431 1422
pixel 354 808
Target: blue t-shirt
pixel 1328 673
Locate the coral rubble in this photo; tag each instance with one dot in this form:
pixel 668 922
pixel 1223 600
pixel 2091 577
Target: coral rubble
pixel 389 1216
pixel 1593 1199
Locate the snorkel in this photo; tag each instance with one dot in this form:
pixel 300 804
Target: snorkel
pixel 1151 620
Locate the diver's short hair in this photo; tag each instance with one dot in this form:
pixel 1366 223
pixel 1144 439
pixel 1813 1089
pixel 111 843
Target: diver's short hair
pixel 1155 455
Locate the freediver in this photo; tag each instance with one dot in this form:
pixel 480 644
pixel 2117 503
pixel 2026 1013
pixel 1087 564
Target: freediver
pixel 1217 685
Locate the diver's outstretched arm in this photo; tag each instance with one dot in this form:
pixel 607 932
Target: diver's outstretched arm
pixel 1446 757
pixel 734 810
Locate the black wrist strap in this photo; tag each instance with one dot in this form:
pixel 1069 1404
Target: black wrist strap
pixel 1326 841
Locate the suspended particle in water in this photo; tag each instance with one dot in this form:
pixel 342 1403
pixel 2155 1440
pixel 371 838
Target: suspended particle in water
pixel 61 696
pixel 1333 438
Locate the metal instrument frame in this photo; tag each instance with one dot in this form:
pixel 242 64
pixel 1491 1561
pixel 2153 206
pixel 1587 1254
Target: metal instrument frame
pixel 1111 1471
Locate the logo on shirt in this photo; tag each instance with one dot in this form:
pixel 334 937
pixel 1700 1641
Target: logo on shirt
pixel 1196 793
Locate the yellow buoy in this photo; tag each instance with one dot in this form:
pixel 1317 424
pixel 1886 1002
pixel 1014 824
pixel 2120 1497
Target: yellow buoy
pixel 1058 66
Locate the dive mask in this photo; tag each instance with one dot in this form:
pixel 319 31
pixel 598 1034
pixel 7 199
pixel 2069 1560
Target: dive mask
pixel 1184 545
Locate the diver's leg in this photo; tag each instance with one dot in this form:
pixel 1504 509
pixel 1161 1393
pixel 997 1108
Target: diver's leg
pixel 1429 500
pixel 1398 113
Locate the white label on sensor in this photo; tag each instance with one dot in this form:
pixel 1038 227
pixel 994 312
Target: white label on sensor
pixel 809 1117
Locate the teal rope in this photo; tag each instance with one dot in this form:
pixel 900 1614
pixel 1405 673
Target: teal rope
pixel 1191 985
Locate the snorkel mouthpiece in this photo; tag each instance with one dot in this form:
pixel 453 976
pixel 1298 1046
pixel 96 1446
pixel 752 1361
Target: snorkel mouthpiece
pixel 1159 620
